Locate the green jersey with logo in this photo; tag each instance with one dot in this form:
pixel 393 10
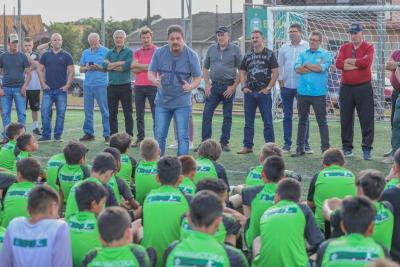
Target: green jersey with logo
pixel 162 212
pixel 16 201
pixel 52 167
pixel 333 181
pixel 7 155
pixel 126 170
pixel 294 222
pixel 254 176
pixel 69 175
pixel 353 250
pixel 187 186
pixel 22 155
pixel 72 206
pixel 84 235
pixel 384 222
pixel 145 179
pixel 2 233
pixel 205 169
pixel 131 255
pixel 259 198
pixel 392 183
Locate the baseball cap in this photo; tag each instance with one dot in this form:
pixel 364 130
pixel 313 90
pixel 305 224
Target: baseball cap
pixel 13 38
pixel 222 29
pixel 355 27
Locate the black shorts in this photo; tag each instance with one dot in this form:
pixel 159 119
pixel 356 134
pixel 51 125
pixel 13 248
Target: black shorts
pixel 33 98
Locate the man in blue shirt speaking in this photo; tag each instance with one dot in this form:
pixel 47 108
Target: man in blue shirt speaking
pixel 175 70
pixel 313 66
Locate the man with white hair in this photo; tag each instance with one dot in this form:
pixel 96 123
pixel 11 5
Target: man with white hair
pixel 56 71
pixel 94 86
pixel 118 64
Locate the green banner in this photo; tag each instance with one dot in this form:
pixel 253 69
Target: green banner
pixel 256 20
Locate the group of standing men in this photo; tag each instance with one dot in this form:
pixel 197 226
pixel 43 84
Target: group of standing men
pixel 167 75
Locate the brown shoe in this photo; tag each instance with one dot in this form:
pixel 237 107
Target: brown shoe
pixel 86 137
pixel 245 150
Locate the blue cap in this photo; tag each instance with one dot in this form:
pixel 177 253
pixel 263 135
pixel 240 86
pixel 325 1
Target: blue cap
pixel 355 27
pixel 222 29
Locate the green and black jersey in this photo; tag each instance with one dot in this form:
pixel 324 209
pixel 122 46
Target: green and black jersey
pixel 333 181
pixel 254 177
pixel 120 189
pixel 127 171
pixel 353 250
pixel 295 223
pixel 259 199
pixel 203 250
pixel 392 183
pixel 145 179
pixel 53 164
pixel 209 169
pixel 187 186
pixel 8 154
pixel 131 255
pixel 69 175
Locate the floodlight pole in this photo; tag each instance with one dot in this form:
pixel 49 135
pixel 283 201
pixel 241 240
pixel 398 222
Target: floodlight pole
pixel 103 25
pixel 19 29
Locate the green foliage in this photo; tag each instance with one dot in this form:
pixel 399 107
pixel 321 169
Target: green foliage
pixel 71 38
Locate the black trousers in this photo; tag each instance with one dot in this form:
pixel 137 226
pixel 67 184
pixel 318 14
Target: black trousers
pixel 361 98
pixel 115 94
pixel 141 94
pixel 318 104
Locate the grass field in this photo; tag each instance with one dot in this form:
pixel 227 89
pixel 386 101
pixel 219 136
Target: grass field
pixel 236 165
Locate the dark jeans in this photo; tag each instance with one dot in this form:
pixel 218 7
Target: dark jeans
pixel 396 126
pixel 252 100
pixel 115 94
pixel 319 106
pixel 361 98
pixel 211 104
pixel 141 93
pixel 288 95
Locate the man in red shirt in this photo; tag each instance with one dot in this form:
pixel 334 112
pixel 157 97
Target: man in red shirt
pixel 143 87
pixel 355 60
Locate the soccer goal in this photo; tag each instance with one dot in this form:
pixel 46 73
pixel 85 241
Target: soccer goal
pixel 381 26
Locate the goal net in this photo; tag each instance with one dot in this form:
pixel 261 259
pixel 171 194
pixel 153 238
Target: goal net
pixel 381 25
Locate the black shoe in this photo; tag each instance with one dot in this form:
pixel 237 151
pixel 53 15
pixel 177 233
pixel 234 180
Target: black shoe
pixel 226 148
pixel 44 139
pixel 37 131
pixel 298 153
pixel 58 139
pixel 107 140
pixel 86 137
pixel 367 155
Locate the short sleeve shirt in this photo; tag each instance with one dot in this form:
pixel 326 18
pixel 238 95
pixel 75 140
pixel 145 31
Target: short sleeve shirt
pixel 143 56
pixel 94 77
pixel 259 68
pixel 174 69
pixel 56 66
pixel 34 84
pixel 13 65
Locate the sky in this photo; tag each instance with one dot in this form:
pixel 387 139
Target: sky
pixel 72 10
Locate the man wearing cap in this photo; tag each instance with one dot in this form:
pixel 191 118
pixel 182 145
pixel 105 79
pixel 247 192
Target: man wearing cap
pixel 16 77
pixel 355 60
pixel 221 66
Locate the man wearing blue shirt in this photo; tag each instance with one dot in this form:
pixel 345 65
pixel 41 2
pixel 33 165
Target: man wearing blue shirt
pixel 175 70
pixel 313 66
pixel 56 70
pixel 94 86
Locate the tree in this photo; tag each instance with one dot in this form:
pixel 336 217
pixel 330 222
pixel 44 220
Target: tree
pixel 71 38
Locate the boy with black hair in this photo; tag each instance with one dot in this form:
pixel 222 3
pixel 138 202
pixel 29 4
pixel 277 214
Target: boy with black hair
pixel 27 144
pixel 122 142
pixel 52 166
pixel 189 167
pixel 333 181
pixel 9 151
pixel 103 169
pixel 357 247
pixel 257 199
pixel 121 190
pixel 370 183
pixel 16 199
pixel 74 169
pixel 40 240
pixel 229 229
pixel 201 248
pixel 90 198
pixel 146 169
pixel 163 208
pixel 296 223
pixel 116 237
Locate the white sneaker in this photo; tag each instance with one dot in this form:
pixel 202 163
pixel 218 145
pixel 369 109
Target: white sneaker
pixel 191 145
pixel 174 145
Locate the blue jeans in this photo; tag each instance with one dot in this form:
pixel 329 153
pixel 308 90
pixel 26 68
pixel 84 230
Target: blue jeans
pixel 252 100
pixel 163 118
pixel 287 96
pixel 59 98
pixel 90 93
pixel 211 104
pixel 6 103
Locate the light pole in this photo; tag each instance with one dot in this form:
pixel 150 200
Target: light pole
pixel 103 25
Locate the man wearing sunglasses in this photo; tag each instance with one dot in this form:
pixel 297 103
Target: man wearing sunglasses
pixel 313 66
pixel 355 60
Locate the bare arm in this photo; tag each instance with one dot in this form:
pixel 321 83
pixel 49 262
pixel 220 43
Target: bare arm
pixel 28 76
pixel 246 211
pixel 70 78
pixel 137 67
pixel 154 78
pixel 42 77
pixel 391 65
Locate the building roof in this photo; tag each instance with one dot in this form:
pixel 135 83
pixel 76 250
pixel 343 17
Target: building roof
pixel 31 25
pixel 204 27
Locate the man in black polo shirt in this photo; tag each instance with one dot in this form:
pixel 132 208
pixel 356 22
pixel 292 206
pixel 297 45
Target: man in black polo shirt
pixel 258 74
pixel 221 62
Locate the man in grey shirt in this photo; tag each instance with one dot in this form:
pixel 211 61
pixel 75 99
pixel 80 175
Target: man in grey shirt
pixel 221 65
pixel 288 79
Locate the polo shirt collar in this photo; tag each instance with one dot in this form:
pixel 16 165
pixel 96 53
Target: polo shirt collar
pixel 123 48
pixel 226 48
pixel 318 50
pixel 151 47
